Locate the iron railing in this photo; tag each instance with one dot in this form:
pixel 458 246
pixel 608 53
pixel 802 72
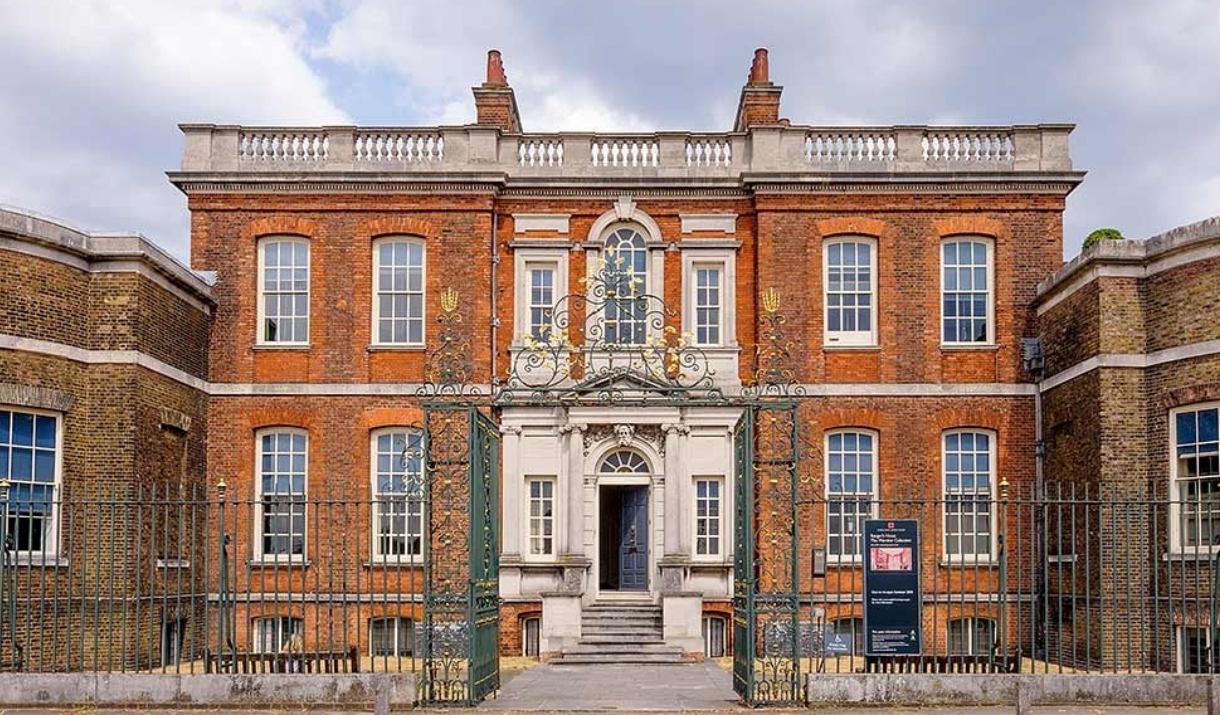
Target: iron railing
pixel 174 579
pixel 1078 579
pixel 182 580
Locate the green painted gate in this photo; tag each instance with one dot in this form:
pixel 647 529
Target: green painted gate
pixel 767 634
pixel 461 587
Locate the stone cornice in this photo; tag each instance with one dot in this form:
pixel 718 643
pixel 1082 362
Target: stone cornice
pixel 99 252
pixel 738 187
pixel 970 184
pixel 1194 242
pixel 297 184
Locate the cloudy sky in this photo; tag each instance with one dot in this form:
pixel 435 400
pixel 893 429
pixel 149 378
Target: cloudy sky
pixel 91 92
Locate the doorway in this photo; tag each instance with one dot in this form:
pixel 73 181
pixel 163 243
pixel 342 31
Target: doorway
pixel 623 530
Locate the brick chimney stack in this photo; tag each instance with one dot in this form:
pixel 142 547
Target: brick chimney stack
pixel 759 103
pixel 494 101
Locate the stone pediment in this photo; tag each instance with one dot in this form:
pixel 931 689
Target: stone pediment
pixel 625 380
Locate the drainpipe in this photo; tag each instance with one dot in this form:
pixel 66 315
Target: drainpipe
pixel 1034 362
pixel 494 289
pixel 1039 445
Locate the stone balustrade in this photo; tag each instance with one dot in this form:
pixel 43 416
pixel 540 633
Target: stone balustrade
pixel 1039 148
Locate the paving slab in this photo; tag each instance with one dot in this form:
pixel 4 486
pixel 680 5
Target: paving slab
pixel 618 688
pixel 1048 710
pixel 493 710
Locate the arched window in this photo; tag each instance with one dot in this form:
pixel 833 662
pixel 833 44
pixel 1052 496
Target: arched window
pixel 281 489
pixel 391 637
pixel 851 491
pixel 971 636
pixel 273 634
pixel 626 312
pixel 398 493
pixel 624 461
pixel 969 472
pixel 283 291
pixel 966 291
pixel 850 270
pixel 398 291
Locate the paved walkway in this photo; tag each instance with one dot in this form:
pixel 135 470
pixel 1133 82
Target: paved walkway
pixel 1040 710
pixel 640 688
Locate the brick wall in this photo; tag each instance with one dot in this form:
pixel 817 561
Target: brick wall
pixel 225 233
pixel 1108 430
pixel 781 240
pixel 125 428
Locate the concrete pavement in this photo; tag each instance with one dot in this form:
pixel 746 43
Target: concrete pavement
pixel 641 688
pixel 1049 710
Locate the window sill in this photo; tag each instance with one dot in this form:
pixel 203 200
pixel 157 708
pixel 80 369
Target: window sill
pixel 987 563
pixel 416 563
pixel 278 347
pixel 540 562
pixel 706 562
pixel 1203 554
pixel 844 563
pixel 841 348
pixel 968 347
pixel 391 348
pixel 40 560
pixel 272 563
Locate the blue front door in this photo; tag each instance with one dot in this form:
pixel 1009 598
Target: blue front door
pixel 633 540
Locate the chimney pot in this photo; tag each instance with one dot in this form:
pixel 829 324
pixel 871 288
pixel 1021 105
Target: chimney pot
pixel 760 70
pixel 495 105
pixel 495 70
pixel 759 103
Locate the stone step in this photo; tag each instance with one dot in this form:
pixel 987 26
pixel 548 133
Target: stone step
pixel 633 620
pixel 583 648
pixel 621 658
pixel 622 638
pixel 643 606
pixel 625 606
pixel 621 627
pixel 651 639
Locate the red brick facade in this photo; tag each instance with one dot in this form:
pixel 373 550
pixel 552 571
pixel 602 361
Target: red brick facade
pixel 769 196
pixel 470 237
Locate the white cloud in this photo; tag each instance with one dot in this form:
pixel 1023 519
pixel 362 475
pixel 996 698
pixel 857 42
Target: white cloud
pixel 1161 57
pixel 1141 81
pixel 629 66
pixel 416 42
pixel 104 85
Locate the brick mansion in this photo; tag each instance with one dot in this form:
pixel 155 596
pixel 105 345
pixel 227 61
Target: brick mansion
pixel 936 348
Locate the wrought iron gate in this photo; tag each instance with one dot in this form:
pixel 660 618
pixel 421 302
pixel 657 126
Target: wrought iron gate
pixel 766 588
pixel 461 586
